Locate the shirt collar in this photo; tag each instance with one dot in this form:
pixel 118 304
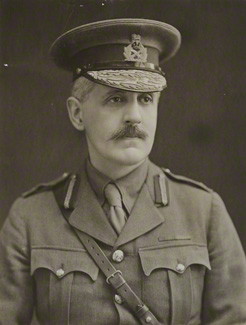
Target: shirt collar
pixel 129 185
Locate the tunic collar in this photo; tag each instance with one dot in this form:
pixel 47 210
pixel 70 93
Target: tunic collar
pixel 129 185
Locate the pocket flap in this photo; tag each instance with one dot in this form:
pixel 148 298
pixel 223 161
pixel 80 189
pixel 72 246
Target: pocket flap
pixel 176 258
pixel 63 261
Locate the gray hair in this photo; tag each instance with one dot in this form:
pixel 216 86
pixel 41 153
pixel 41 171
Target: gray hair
pixel 81 88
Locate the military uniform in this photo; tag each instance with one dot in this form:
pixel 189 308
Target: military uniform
pixel 183 257
pixel 178 250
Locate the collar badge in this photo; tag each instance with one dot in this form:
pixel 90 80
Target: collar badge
pixel 135 52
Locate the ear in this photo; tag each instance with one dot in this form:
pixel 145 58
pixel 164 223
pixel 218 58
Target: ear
pixel 75 112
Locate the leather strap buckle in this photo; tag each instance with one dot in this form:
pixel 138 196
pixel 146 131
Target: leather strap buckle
pixel 142 310
pixel 112 275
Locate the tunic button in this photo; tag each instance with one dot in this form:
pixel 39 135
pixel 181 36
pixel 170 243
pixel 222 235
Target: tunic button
pixel 118 299
pixel 148 319
pixel 60 273
pixel 118 256
pixel 180 268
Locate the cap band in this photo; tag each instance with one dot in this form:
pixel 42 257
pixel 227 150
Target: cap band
pixel 119 65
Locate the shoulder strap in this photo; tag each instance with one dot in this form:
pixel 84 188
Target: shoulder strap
pixel 185 180
pixel 45 186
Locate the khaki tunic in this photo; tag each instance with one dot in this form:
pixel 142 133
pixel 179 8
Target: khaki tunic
pixel 184 259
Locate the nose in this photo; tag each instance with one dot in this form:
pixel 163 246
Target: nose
pixel 132 113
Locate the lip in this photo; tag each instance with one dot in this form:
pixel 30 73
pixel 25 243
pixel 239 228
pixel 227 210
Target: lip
pixel 130 138
pixel 131 142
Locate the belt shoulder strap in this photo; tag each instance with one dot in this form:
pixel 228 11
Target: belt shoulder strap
pixel 115 278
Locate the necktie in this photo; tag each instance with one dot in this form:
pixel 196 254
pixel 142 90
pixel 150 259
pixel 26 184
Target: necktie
pixel 117 216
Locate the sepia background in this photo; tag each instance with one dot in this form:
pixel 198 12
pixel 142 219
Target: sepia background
pixel 201 126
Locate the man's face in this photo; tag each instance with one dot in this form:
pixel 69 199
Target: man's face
pixel 119 125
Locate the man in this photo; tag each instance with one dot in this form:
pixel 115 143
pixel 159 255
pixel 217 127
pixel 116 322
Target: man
pixel 122 241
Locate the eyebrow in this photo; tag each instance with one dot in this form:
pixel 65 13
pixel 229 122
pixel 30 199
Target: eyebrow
pixel 113 91
pixel 119 91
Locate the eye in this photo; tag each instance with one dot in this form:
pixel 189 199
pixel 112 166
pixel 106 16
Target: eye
pixel 146 98
pixel 116 99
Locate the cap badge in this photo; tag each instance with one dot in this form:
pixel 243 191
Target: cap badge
pixel 135 52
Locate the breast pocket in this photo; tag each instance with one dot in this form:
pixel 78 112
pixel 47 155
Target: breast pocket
pixel 174 278
pixel 54 270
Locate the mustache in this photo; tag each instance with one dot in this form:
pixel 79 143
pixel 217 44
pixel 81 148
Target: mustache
pixel 129 131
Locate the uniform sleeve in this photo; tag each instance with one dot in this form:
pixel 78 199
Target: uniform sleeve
pixel 224 299
pixel 16 284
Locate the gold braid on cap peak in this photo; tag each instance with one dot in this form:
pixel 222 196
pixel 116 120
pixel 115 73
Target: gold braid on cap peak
pixel 133 80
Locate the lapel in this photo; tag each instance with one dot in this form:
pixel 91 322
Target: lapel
pixel 145 216
pixel 88 216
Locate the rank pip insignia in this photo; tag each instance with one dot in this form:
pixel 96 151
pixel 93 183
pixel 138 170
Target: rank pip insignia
pixel 135 52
